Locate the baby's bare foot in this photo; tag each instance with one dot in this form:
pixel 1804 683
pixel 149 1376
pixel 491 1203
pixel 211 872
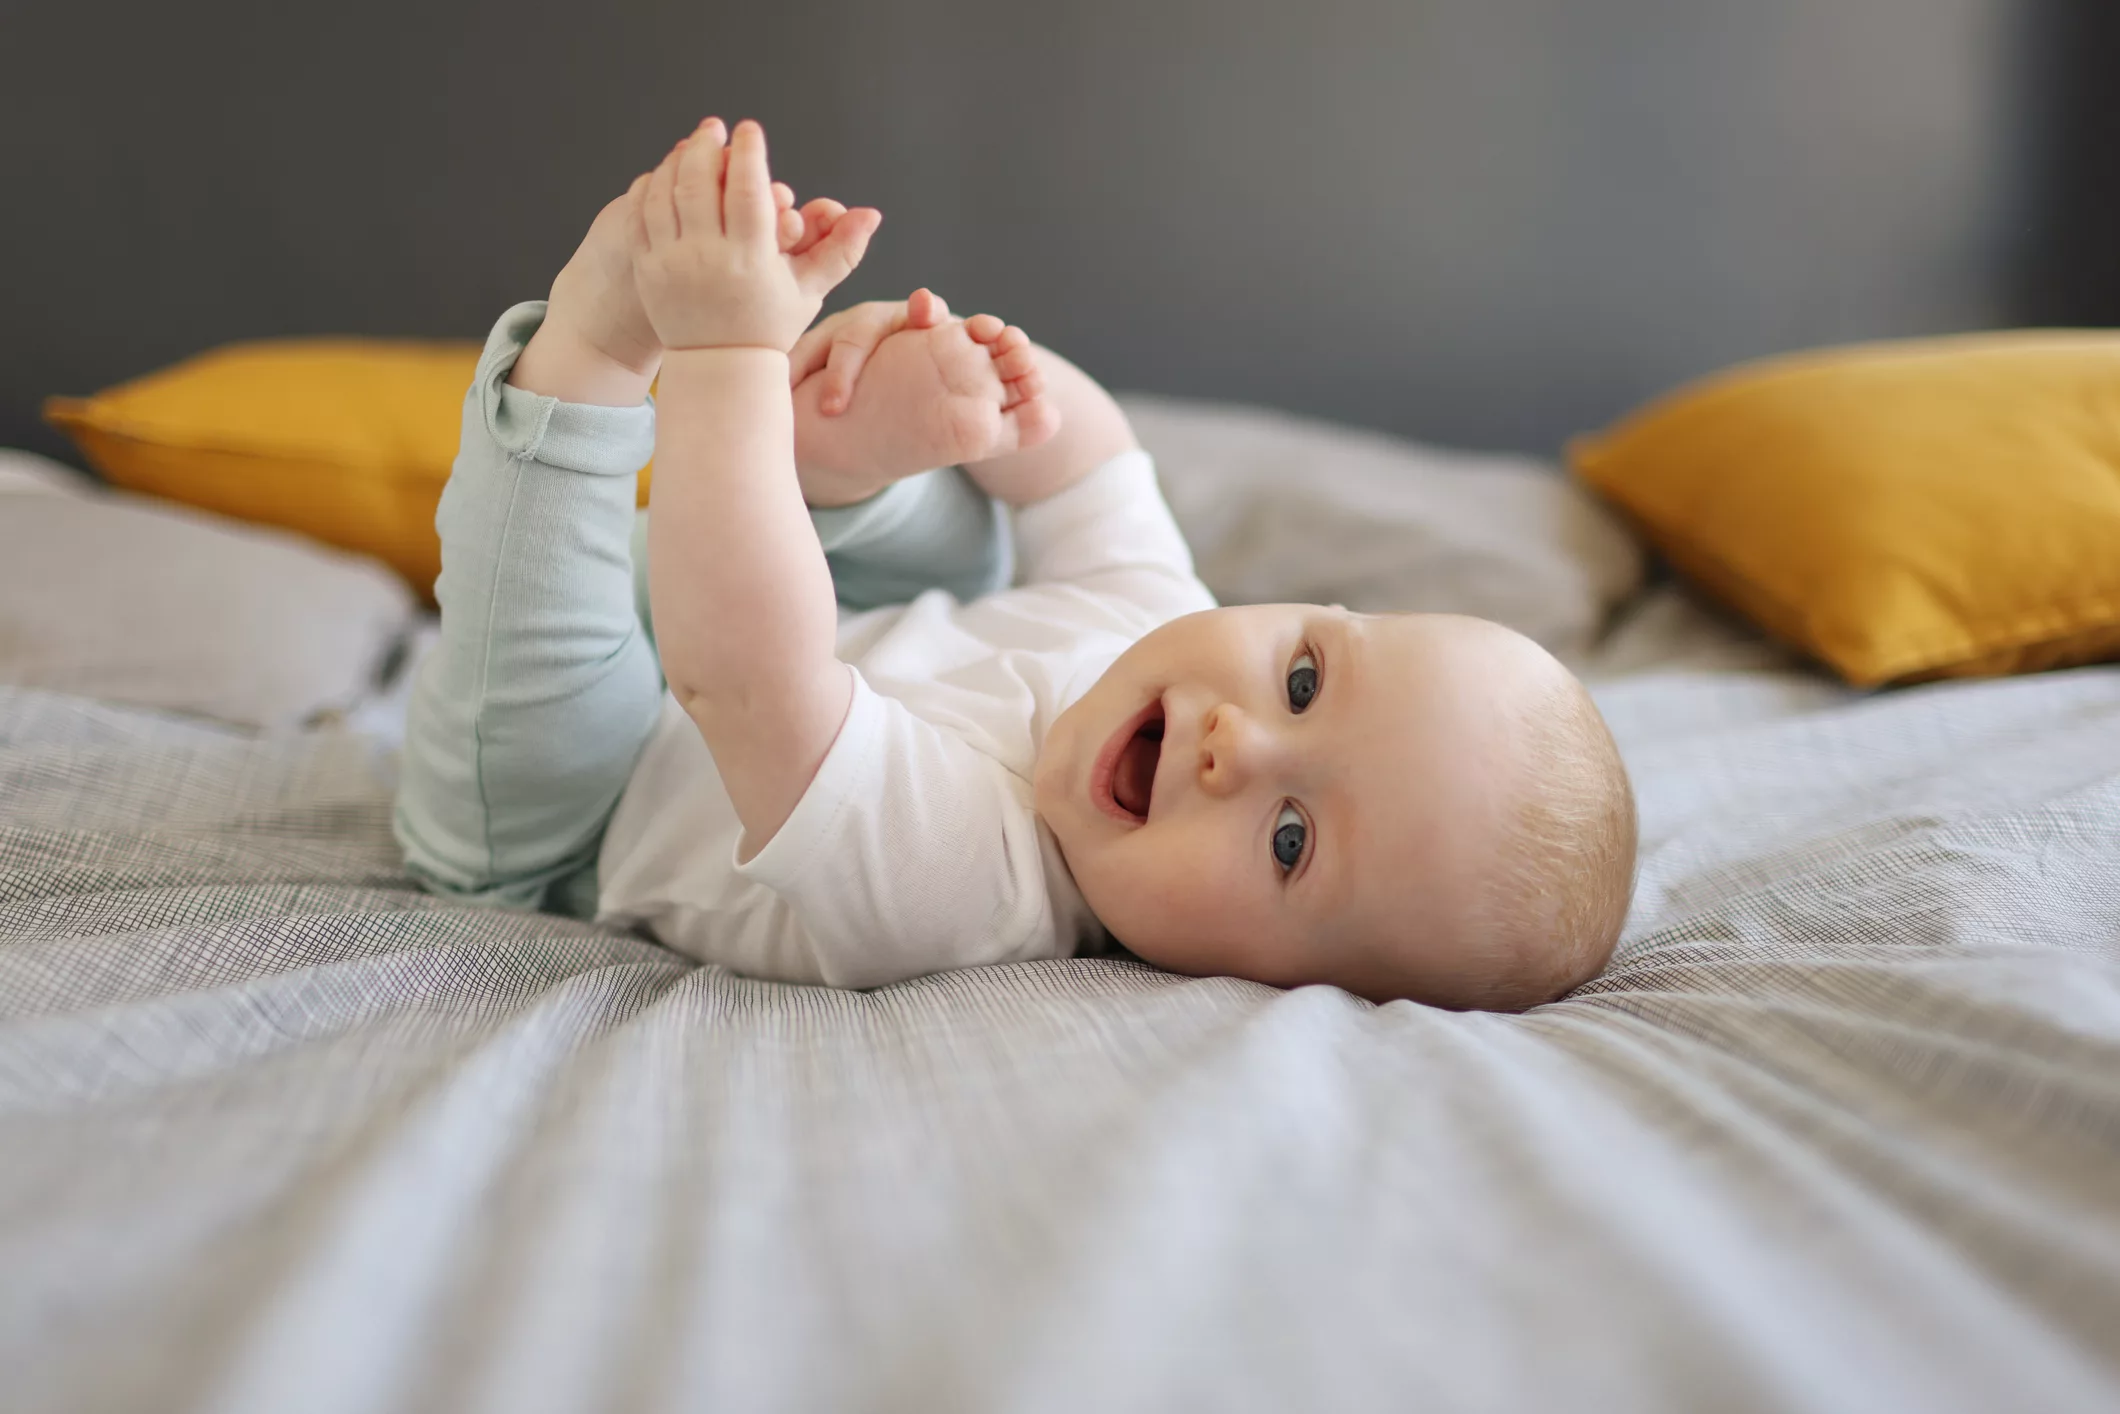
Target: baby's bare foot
pixel 961 391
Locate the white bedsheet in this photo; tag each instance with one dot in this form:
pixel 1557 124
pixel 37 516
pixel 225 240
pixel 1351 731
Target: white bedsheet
pixel 1838 1131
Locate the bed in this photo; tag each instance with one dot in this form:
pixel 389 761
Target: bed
pixel 1838 1130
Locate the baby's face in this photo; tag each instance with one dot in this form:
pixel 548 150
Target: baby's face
pixel 1293 793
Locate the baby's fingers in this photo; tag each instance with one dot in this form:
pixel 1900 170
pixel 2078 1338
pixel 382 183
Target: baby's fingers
pixel 832 259
pixel 636 200
pixel 658 211
pixel 842 371
pixel 698 184
pixel 747 201
pixel 817 220
pixel 837 348
pixel 810 350
pixel 815 345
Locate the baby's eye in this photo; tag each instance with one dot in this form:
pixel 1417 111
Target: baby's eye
pixel 1302 682
pixel 1290 834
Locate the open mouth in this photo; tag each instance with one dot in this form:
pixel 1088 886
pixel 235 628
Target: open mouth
pixel 1124 780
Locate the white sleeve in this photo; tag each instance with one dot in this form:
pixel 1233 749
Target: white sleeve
pixel 1112 531
pixel 910 852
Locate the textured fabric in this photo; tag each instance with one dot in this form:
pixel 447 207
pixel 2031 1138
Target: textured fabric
pixel 1280 508
pixel 915 847
pixel 116 596
pixel 1837 1132
pixel 1903 511
pixel 527 723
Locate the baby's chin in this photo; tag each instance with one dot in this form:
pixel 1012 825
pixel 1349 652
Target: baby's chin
pixel 1163 927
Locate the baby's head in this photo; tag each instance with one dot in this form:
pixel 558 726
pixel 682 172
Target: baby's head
pixel 1407 805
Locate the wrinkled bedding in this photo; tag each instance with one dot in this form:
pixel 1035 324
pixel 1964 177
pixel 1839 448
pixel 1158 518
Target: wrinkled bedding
pixel 1839 1130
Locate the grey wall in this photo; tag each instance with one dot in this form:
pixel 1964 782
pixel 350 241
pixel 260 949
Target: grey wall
pixel 1490 222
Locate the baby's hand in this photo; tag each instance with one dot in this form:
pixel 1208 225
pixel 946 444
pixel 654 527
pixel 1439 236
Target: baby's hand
pixel 918 389
pixel 708 255
pixel 594 302
pixel 834 348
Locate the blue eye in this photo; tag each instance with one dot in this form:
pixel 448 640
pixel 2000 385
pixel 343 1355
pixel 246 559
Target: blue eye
pixel 1302 682
pixel 1290 834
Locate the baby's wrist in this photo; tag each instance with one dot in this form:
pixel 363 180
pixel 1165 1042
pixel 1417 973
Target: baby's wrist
pixel 708 357
pixel 560 362
pixel 727 346
pixel 751 374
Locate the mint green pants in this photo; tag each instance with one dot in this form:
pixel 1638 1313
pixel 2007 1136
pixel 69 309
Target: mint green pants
pixel 528 716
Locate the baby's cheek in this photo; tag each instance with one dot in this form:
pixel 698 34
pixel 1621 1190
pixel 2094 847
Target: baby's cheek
pixel 1171 898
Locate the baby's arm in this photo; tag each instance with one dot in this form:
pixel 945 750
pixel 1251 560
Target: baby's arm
pixel 743 603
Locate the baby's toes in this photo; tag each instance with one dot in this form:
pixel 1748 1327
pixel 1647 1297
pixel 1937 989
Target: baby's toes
pixel 1018 391
pixel 1013 355
pixel 985 328
pixel 1035 419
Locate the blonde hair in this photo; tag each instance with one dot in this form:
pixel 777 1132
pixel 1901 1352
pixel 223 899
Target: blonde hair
pixel 1559 893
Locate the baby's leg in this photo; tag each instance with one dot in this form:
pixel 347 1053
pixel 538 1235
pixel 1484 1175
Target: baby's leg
pixel 527 719
pixel 935 530
pixel 932 531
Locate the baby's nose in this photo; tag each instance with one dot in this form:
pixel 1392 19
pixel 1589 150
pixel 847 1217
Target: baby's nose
pixel 1233 749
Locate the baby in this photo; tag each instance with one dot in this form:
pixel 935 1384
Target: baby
pixel 842 787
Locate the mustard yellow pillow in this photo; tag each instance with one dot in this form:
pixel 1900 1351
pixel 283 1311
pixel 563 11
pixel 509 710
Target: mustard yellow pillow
pixel 348 441
pixel 1941 508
